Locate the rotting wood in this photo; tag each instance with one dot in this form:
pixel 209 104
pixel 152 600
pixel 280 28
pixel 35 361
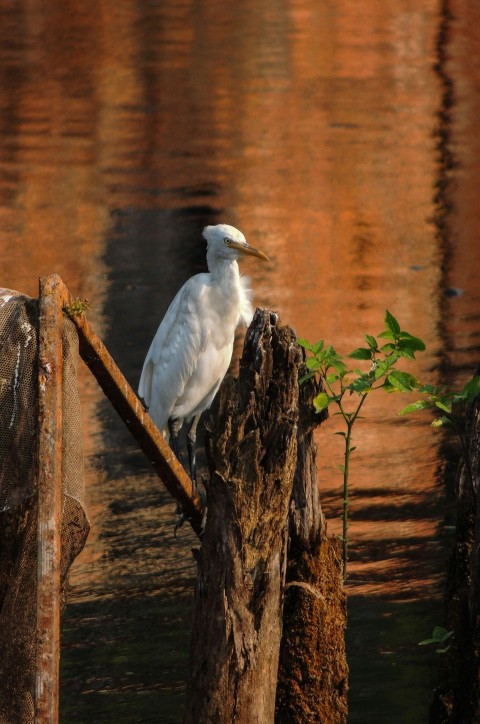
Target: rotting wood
pixel 49 500
pixel 125 401
pixel 313 670
pixel 457 698
pixel 241 565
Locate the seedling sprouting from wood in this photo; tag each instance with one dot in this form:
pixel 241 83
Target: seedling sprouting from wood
pixel 347 389
pixel 77 307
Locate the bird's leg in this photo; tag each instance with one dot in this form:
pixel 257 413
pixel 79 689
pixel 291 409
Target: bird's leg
pixel 174 427
pixel 191 440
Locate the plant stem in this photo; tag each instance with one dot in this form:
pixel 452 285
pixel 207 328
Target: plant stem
pixel 346 467
pixel 349 420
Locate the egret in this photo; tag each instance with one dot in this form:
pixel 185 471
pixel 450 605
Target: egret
pixel 192 349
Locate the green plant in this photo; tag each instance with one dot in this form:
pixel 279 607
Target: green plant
pixel 440 636
pixel 347 389
pixel 77 307
pixel 450 408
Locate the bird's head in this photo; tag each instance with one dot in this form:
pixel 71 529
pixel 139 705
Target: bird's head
pixel 227 242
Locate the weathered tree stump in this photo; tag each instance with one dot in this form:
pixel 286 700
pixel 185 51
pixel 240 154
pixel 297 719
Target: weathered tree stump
pixel 237 627
pixel 457 699
pixel 241 565
pixel 313 672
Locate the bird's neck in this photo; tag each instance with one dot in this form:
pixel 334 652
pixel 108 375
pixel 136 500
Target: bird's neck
pixel 230 293
pixel 223 271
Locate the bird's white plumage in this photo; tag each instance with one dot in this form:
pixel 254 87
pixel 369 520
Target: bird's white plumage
pixel 192 349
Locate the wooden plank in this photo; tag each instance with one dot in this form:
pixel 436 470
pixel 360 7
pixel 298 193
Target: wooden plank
pixel 49 501
pixel 125 401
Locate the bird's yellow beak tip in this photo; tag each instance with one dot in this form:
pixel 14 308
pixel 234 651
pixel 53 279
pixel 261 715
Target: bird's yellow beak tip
pixel 248 250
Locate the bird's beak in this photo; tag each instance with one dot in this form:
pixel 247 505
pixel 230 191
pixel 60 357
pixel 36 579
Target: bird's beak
pixel 248 250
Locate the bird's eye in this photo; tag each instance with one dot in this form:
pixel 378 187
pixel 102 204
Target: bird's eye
pixel 227 241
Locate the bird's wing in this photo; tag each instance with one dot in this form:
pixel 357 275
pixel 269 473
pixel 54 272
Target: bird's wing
pixel 174 352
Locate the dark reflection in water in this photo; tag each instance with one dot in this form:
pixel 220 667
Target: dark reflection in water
pixel 324 131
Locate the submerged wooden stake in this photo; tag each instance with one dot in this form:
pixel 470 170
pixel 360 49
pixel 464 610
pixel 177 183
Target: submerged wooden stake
pixel 125 401
pixel 49 500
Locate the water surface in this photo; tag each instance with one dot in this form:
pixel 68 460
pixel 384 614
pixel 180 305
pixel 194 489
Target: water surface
pixel 334 138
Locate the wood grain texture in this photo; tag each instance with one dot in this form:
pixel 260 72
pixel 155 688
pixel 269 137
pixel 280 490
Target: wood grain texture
pixel 238 598
pixel 49 499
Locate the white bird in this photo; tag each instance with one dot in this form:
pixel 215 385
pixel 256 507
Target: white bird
pixel 192 349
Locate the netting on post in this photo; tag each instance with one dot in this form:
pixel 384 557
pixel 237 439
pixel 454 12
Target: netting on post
pixel 19 466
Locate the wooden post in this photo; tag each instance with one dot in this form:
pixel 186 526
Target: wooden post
pixel 125 401
pixel 49 500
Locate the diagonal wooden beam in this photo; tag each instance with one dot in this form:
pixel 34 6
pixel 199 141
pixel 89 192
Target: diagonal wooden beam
pixel 127 404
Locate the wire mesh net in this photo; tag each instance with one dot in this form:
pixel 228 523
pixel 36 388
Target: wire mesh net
pixel 18 494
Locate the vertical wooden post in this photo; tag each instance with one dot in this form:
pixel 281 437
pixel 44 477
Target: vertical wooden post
pixel 49 500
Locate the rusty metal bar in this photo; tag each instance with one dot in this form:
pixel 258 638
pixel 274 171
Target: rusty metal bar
pixel 125 401
pixel 49 501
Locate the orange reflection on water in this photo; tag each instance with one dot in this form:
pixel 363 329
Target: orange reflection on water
pixel 312 127
pixel 316 127
pixel 340 191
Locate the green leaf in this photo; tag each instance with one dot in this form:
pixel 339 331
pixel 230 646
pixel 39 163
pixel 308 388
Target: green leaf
pixel 305 344
pixel 312 363
pixel 402 381
pixel 305 377
pixel 332 378
pixel 444 405
pixel 387 348
pixel 408 347
pixel 384 365
pixel 321 402
pixel 361 353
pixel 361 385
pixel 415 406
pixel 405 351
pixel 387 387
pixel 439 636
pixel 318 347
pixel 415 343
pixel 371 341
pixel 471 390
pixel 391 324
pixel 338 366
pixel 439 421
pixel 343 434
pixel 429 389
